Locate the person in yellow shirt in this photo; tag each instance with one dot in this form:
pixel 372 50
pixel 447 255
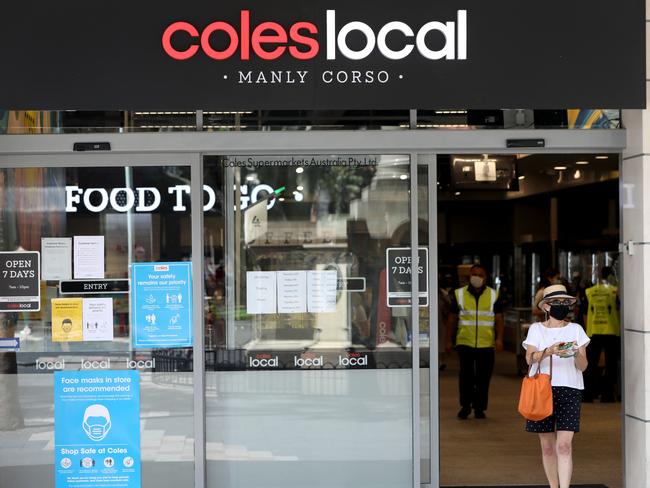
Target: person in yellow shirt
pixel 604 328
pixel 476 319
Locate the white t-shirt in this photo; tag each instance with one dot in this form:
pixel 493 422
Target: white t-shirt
pixel 565 372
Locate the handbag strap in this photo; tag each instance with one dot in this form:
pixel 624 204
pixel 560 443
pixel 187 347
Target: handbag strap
pixel 539 364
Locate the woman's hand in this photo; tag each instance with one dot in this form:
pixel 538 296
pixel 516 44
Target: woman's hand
pixel 535 356
pixel 580 359
pixel 554 349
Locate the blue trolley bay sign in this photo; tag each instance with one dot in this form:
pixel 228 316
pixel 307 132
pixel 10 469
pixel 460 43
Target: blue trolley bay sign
pixel 97 429
pixel 161 305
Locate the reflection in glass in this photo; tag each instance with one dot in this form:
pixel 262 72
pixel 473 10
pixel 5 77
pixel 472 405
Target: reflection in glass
pixel 140 220
pixel 308 368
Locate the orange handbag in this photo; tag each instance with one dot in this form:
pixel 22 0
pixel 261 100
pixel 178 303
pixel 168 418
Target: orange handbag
pixel 536 397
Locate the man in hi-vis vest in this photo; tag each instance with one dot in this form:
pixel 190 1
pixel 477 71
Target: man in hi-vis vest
pixel 477 319
pixel 604 329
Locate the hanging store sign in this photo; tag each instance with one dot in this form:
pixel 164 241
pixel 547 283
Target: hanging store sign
pixel 334 54
pixel 20 280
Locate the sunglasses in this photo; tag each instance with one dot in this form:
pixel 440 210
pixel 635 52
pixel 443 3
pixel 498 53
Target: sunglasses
pixel 561 301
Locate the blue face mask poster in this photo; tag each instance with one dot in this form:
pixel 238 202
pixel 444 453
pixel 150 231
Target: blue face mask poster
pixel 97 429
pixel 161 304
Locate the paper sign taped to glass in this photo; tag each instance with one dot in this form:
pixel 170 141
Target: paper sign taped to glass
pixel 67 319
pixel 161 305
pixel 98 319
pixel 97 429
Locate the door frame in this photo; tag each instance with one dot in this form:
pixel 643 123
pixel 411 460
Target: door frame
pixel 189 148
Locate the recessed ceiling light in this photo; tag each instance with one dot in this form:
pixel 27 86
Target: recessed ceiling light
pixel 403 177
pixel 457 193
pixel 559 168
pixel 522 177
pixel 300 169
pixel 582 163
pixel 602 157
pixel 300 188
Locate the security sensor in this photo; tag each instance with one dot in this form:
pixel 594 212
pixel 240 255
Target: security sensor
pixel 525 143
pixel 91 146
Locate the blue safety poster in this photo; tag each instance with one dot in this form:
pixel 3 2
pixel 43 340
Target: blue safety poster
pixel 161 304
pixel 97 429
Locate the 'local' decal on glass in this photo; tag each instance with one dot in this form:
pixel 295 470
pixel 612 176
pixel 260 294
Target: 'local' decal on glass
pixel 161 304
pixel 97 429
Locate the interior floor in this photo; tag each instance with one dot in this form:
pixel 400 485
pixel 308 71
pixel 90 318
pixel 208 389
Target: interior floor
pixel 498 451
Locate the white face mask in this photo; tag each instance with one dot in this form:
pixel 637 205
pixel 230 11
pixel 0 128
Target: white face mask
pixel 476 281
pixel 96 422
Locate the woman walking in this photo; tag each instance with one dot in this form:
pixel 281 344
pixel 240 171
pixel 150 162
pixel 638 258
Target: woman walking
pixel 564 344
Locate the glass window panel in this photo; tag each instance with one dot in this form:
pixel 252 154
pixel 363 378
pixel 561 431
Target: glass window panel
pixel 132 209
pixel 308 368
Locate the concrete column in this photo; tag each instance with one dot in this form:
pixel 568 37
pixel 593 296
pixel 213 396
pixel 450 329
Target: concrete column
pixel 635 202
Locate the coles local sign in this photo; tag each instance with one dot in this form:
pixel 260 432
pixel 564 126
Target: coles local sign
pixel 334 54
pixel 270 40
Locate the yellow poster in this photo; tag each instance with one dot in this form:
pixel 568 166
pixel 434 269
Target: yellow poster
pixel 67 319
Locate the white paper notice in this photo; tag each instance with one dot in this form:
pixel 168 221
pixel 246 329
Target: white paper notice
pixel 292 291
pixel 97 319
pixel 260 292
pixel 56 258
pixel 321 291
pixel 88 257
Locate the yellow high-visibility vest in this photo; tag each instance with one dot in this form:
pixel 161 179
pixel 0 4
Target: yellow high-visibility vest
pixel 476 318
pixel 603 314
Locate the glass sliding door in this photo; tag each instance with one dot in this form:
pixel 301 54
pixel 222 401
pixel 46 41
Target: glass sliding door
pixel 431 323
pixel 308 323
pixel 96 383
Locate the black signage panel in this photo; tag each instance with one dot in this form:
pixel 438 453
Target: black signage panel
pixel 92 287
pixel 20 280
pixel 398 277
pixel 322 54
pixel 351 284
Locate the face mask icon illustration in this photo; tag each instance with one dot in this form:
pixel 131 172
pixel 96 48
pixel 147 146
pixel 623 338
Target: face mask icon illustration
pixel 97 422
pixel 66 325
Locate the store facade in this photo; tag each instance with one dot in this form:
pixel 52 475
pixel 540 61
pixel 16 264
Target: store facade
pixel 273 372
